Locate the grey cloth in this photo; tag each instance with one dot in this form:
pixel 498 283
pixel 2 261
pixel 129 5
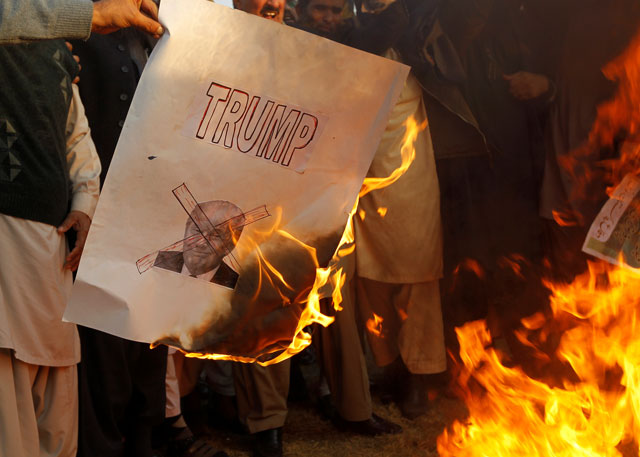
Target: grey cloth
pixel 24 20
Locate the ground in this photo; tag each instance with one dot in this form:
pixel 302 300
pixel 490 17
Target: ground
pixel 306 434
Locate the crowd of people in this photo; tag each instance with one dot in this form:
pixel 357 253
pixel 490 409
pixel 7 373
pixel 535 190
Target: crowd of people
pixel 502 90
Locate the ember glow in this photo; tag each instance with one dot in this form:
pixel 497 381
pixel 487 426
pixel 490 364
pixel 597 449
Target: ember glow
pixel 470 265
pixel 329 280
pixel 563 220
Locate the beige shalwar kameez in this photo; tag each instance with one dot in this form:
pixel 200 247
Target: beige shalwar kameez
pixel 398 252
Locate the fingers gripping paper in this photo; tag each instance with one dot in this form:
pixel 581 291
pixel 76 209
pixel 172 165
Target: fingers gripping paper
pixel 238 164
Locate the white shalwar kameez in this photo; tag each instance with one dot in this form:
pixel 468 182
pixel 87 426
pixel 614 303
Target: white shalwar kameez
pixel 39 352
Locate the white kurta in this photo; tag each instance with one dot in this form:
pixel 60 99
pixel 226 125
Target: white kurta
pixel 403 245
pixel 34 288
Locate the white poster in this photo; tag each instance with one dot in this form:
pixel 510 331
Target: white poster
pixel 239 162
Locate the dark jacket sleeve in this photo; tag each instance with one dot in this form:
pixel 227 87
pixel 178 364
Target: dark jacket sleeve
pixel 378 32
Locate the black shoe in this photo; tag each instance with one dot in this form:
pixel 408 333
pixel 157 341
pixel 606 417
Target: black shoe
pixel 373 426
pixel 223 413
pixel 415 399
pixel 393 376
pixel 326 409
pixel 268 443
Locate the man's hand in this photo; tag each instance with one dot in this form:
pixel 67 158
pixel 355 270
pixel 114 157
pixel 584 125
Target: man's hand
pixel 112 15
pixel 76 80
pixel 527 86
pixel 80 222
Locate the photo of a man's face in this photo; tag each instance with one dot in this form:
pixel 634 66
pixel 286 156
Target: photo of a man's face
pixel 228 221
pixel 211 232
pixel 204 258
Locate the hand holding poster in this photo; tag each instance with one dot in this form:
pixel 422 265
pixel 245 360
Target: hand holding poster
pixel 239 163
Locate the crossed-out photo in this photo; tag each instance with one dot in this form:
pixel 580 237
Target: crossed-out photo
pixel 211 232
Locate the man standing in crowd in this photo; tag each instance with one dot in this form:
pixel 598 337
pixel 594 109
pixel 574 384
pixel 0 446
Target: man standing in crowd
pixel 322 17
pixel 121 382
pixel 397 264
pixel 49 184
pixel 398 238
pixel 262 391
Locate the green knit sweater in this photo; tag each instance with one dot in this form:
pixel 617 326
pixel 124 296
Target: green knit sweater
pixel 35 95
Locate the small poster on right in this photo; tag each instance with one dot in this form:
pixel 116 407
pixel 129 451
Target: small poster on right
pixel 614 235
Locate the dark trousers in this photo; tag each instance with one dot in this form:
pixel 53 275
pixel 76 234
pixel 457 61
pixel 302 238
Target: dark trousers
pixel 122 395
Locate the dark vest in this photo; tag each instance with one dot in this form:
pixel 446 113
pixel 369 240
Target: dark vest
pixel 35 95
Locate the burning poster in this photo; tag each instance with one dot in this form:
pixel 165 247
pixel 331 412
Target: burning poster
pixel 614 236
pixel 235 174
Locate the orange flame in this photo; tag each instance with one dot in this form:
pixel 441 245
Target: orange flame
pixel 593 409
pixel 564 220
pixel 584 398
pixel 618 118
pixel 469 265
pixel 514 263
pixel 621 113
pixel 408 154
pixel 374 325
pixel 328 281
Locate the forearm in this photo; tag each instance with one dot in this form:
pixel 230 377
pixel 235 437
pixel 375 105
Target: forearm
pixel 82 159
pixel 24 20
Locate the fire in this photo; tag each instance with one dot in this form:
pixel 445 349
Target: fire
pixel 616 118
pixel 579 395
pixel 470 265
pixel 514 263
pixel 374 325
pixel 329 280
pixel 408 154
pixel 590 410
pixel 563 220
pixel 621 113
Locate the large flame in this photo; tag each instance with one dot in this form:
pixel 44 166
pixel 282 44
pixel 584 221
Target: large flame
pixel 329 280
pixel 620 115
pixel 590 410
pixel 617 119
pixel 580 394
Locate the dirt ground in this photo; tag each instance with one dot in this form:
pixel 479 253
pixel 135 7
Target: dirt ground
pixel 307 434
